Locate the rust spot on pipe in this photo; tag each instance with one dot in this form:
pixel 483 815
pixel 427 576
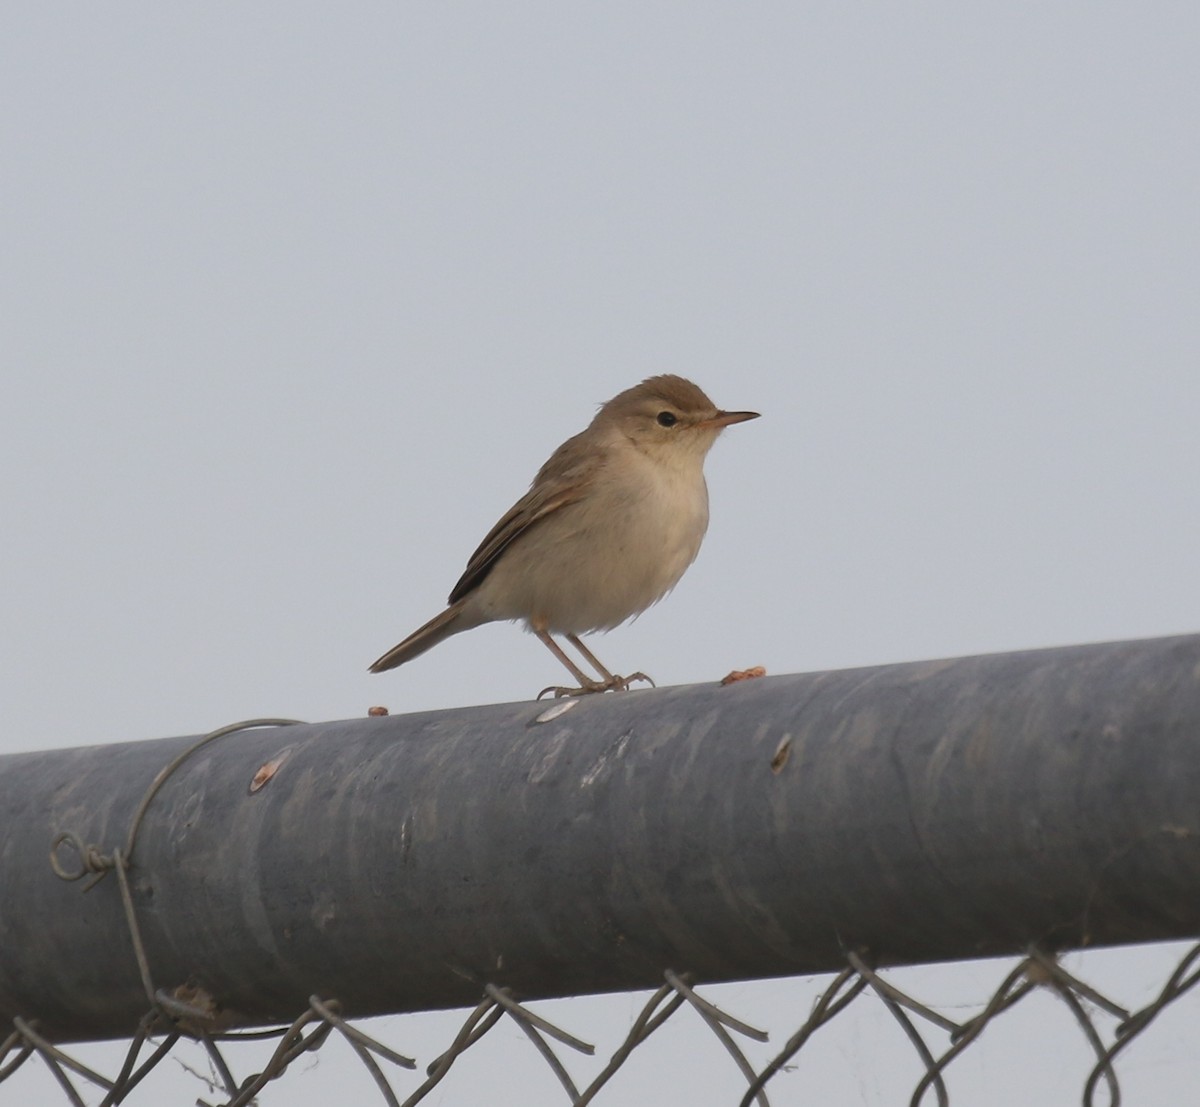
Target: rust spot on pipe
pixel 753 673
pixel 266 771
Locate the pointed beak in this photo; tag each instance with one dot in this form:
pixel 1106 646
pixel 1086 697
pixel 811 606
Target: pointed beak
pixel 727 418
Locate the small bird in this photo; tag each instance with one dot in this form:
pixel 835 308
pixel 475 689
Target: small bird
pixel 607 528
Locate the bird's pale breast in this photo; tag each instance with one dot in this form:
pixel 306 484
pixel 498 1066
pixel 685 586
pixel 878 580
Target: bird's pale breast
pixel 597 562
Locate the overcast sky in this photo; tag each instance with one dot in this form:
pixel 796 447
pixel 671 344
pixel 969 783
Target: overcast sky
pixel 296 299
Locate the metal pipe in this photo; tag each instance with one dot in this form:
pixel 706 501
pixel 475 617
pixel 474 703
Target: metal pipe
pixel 924 812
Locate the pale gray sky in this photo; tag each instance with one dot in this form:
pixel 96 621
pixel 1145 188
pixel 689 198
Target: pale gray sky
pixel 297 298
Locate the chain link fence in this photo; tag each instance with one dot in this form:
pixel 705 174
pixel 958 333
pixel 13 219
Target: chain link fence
pixel 239 1066
pixel 184 1014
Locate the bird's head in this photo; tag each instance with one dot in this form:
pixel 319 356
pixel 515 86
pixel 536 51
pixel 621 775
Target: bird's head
pixel 668 417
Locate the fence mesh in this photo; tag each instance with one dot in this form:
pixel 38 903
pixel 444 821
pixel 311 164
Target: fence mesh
pixel 937 1040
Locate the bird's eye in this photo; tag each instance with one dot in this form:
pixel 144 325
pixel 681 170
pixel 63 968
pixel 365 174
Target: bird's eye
pixel 666 419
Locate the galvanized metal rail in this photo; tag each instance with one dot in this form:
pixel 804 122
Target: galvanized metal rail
pixel 920 812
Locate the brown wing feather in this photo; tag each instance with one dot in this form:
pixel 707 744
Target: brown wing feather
pixel 561 481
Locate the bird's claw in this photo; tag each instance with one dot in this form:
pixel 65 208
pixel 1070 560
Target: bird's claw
pixel 622 683
pixel 615 684
pixel 560 692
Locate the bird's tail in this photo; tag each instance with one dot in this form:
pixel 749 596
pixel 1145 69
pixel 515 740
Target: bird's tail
pixel 450 621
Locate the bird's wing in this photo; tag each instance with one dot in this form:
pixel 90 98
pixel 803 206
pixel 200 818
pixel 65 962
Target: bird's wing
pixel 563 480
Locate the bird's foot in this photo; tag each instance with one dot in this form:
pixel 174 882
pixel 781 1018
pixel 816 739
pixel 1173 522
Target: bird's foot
pixel 613 684
pixel 621 684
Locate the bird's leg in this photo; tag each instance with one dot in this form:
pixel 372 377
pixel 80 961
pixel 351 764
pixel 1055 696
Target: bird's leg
pixel 590 657
pixel 618 682
pixel 586 684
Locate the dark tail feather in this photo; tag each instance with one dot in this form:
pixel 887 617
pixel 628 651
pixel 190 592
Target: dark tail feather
pixel 440 626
